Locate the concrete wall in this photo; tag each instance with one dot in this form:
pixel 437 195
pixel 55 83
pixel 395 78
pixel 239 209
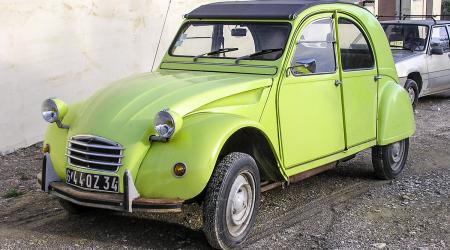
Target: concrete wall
pixel 426 7
pixel 409 7
pixel 418 7
pixel 70 48
pixel 422 7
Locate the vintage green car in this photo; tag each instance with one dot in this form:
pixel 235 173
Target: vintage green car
pixel 250 96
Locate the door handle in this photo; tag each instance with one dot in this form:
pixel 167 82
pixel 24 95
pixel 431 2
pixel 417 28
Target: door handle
pixel 377 78
pixel 337 83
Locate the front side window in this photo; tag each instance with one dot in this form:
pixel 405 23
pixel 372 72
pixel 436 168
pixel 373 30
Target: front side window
pixel 406 36
pixel 315 53
pixel 254 41
pixel 355 49
pixel 439 37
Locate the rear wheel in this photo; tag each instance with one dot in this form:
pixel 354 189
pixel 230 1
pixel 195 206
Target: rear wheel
pixel 73 208
pixel 232 201
pixel 413 91
pixel 390 160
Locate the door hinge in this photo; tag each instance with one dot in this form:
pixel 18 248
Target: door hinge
pixel 337 83
pixel 377 77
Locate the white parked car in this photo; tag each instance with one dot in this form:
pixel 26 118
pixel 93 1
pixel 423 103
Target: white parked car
pixel 421 50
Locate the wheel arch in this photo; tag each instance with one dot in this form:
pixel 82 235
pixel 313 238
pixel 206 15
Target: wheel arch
pixel 417 77
pixel 200 144
pixel 254 142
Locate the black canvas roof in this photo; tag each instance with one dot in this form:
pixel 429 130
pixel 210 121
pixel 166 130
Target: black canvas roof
pixel 285 10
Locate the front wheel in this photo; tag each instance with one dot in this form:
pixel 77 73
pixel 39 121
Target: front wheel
pixel 231 201
pixel 413 91
pixel 390 160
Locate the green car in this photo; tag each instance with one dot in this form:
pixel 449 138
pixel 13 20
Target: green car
pixel 250 96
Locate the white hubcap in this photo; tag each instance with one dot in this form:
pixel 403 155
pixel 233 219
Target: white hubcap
pixel 240 203
pixel 396 154
pixel 412 95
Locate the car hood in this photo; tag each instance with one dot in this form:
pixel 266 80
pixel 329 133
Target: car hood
pixel 124 111
pixel 401 55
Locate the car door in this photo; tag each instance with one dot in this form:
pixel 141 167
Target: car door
pixel 359 83
pixel 309 102
pixel 439 65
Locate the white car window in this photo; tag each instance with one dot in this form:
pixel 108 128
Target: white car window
pixel 316 44
pixel 439 37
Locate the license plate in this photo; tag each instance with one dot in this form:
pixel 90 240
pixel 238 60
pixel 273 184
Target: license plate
pixel 95 182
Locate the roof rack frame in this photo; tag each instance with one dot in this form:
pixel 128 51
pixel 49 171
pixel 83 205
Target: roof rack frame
pixel 403 17
pixel 424 16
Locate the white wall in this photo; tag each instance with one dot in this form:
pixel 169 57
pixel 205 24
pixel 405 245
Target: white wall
pixel 437 7
pixel 69 49
pixel 419 7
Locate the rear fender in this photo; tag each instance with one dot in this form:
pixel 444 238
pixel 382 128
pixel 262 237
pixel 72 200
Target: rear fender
pixel 395 114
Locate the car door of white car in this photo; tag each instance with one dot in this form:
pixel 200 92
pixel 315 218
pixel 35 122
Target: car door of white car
pixel 439 65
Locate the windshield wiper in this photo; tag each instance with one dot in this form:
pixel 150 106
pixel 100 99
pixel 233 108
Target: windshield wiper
pixel 258 53
pixel 215 52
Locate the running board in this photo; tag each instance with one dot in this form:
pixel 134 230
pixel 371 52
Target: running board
pixel 347 158
pixel 304 175
pixel 270 185
pixel 266 186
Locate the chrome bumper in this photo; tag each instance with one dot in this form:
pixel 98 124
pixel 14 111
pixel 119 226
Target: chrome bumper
pixel 129 201
pixel 109 201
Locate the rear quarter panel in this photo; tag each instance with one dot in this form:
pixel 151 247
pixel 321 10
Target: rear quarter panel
pixel 395 113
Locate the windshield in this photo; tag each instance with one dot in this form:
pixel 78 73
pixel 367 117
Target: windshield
pixel 406 36
pixel 242 41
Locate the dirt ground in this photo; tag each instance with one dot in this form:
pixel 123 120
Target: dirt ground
pixel 344 208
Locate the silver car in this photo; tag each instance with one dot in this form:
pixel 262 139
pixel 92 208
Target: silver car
pixel 421 50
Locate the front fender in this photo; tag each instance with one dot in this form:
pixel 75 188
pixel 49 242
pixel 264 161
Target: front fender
pixel 197 145
pixel 57 139
pixel 410 65
pixel 395 114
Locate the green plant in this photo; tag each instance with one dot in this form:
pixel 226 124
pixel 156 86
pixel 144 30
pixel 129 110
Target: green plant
pixel 12 193
pixel 24 177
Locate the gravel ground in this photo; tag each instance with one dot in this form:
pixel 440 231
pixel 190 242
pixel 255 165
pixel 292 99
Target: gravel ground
pixel 344 208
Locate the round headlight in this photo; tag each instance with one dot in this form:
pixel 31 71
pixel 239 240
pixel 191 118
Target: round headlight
pixel 167 123
pixel 53 110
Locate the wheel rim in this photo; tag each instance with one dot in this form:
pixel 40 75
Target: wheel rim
pixel 241 201
pixel 412 94
pixel 396 153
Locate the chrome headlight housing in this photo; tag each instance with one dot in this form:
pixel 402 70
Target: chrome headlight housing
pixel 167 123
pixel 53 110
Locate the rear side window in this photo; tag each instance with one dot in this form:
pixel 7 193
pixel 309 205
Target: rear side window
pixel 355 49
pixel 439 37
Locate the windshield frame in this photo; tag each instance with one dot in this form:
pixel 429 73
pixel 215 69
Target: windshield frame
pixel 427 39
pixel 230 22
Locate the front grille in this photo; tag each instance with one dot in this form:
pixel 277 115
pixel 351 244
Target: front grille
pixel 94 152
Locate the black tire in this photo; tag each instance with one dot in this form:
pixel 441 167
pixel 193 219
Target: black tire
pixel 232 169
pixel 413 89
pixel 389 161
pixel 73 208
